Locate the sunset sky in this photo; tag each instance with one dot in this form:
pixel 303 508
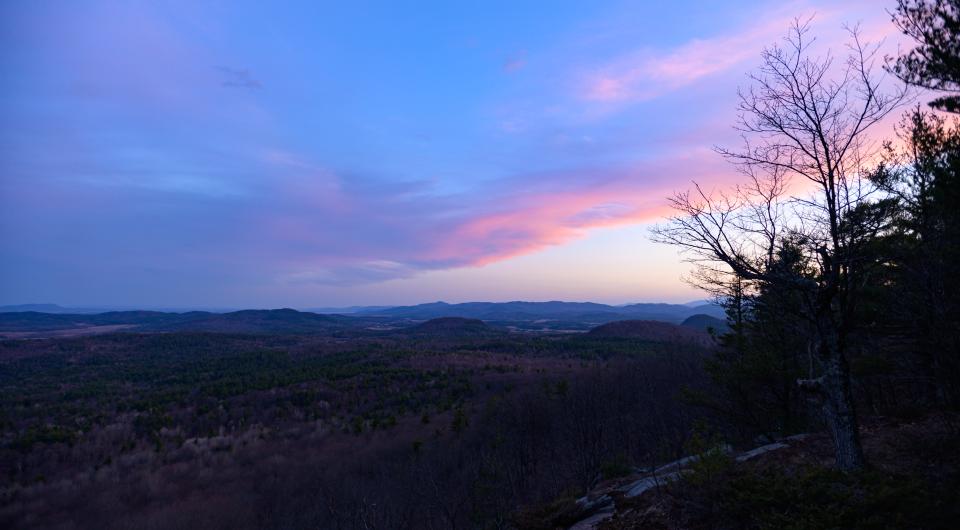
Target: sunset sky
pixel 305 154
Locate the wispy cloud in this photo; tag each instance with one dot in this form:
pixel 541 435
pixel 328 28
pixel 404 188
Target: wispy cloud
pixel 328 234
pixel 233 78
pixel 123 152
pixel 648 73
pixel 351 273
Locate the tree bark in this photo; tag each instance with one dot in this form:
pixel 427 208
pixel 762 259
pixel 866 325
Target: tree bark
pixel 833 393
pixel 840 413
pixel 839 409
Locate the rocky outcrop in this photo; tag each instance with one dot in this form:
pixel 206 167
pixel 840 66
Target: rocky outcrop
pixel 601 503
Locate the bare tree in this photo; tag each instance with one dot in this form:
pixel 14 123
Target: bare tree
pixel 803 117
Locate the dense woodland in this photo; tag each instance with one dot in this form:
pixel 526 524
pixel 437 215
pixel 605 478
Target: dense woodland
pixel 837 262
pixel 165 430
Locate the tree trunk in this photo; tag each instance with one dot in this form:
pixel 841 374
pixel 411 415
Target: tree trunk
pixel 840 413
pixel 832 390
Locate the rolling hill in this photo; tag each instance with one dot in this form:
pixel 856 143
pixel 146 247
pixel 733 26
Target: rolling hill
pixel 259 321
pixel 706 323
pixel 521 316
pixel 586 313
pixel 453 326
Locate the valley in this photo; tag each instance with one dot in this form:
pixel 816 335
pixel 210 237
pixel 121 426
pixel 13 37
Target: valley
pixel 166 428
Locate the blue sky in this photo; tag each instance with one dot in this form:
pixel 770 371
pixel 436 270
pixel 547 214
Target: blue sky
pixel 263 154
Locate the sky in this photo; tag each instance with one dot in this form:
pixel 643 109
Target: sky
pixel 316 154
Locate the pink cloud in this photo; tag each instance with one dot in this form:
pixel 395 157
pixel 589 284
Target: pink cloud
pixel 648 73
pixel 548 220
pixel 328 233
pixel 580 202
pixel 305 223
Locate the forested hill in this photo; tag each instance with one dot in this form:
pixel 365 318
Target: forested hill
pixel 270 321
pixel 533 316
pixel 563 311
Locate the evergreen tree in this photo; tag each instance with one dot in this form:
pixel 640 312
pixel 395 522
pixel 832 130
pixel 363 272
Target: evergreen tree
pixel 935 62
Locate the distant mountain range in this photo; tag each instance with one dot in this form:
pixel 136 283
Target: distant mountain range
pixel 524 316
pixel 510 310
pixel 347 310
pixel 570 312
pixel 47 308
pixel 59 309
pixel 272 321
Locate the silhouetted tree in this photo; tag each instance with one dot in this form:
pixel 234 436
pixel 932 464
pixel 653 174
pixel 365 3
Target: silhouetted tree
pixel 935 63
pixel 760 357
pixel 923 176
pixel 803 117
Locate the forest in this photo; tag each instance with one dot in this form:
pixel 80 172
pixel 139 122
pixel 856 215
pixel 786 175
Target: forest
pixel 245 431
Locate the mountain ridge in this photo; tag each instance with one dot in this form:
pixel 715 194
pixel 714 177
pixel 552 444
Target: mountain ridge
pixel 558 310
pixel 517 315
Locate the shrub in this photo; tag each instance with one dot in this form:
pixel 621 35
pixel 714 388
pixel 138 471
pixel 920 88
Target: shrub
pixel 827 498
